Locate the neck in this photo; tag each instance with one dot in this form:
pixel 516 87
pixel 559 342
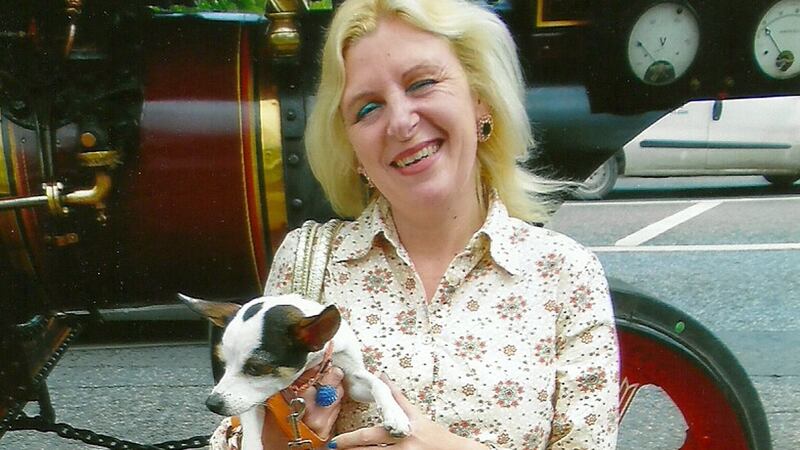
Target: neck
pixel 438 230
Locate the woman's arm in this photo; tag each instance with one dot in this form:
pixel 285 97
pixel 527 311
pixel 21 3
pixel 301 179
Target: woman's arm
pixel 425 433
pixel 587 376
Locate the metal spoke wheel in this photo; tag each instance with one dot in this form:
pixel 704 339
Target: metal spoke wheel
pixel 663 348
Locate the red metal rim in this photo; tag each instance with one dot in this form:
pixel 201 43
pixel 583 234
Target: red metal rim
pixel 711 418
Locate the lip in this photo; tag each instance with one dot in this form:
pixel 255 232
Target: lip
pixel 412 150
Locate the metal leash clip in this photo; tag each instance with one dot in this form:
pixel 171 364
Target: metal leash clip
pixel 298 406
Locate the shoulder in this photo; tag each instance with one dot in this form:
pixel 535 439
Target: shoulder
pixel 311 231
pixel 533 243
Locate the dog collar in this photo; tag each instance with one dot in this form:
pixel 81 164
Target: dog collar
pixel 324 367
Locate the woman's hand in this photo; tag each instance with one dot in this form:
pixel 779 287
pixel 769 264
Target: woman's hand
pixel 319 418
pixel 425 434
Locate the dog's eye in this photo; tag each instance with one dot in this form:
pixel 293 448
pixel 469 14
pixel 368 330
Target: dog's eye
pixel 255 369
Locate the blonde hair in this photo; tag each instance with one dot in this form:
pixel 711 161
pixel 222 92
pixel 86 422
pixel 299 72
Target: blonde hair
pixel 486 50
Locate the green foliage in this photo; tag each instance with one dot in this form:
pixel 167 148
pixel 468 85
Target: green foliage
pixel 248 6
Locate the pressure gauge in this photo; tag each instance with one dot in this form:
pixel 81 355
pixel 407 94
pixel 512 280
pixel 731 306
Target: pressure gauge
pixel 776 44
pixel 663 43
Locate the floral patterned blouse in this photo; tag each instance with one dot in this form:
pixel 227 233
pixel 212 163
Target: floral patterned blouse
pixel 517 347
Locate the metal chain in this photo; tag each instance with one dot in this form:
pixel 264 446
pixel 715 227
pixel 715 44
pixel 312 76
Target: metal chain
pixel 24 422
pixel 16 419
pixel 15 402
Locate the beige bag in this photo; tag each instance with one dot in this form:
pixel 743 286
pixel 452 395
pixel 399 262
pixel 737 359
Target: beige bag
pixel 311 259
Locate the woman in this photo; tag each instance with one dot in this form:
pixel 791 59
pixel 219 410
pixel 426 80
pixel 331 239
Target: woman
pixel 496 333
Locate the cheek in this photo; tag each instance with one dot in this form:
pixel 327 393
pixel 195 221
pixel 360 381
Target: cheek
pixel 366 145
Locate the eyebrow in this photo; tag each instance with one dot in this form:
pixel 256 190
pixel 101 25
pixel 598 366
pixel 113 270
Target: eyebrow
pixel 367 93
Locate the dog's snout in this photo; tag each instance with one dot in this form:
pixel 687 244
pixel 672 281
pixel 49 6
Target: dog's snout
pixel 216 403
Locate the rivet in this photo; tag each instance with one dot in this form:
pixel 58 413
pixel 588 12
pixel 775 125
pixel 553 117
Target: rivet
pixel 297 203
pixel 293 159
pixel 291 115
pixel 88 139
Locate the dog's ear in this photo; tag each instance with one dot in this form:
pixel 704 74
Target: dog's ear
pixel 219 313
pixel 314 331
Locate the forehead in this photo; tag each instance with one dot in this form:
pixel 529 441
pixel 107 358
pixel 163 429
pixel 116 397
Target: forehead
pixel 395 44
pixel 243 334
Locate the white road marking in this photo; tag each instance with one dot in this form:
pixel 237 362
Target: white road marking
pixel 663 225
pixel 698 248
pixel 678 201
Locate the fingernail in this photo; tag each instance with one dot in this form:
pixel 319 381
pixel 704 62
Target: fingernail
pixel 333 444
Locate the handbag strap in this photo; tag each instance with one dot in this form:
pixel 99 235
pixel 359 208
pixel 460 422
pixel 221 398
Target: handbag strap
pixel 311 259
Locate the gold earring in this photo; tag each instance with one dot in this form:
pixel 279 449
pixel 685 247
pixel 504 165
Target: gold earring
pixel 485 127
pixel 365 178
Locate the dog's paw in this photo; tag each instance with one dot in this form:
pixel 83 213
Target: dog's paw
pixel 396 422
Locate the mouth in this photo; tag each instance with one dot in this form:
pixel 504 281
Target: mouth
pixel 419 153
pixel 217 404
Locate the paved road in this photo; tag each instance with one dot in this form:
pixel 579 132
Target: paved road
pixel 731 263
pixel 724 249
pixel 147 394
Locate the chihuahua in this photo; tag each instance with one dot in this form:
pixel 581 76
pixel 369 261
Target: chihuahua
pixel 269 342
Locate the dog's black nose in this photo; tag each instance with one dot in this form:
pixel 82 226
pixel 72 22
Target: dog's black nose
pixel 216 404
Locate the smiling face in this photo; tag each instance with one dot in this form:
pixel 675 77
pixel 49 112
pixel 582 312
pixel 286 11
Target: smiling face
pixel 410 116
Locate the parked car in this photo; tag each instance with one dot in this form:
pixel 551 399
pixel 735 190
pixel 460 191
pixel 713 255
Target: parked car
pixel 749 136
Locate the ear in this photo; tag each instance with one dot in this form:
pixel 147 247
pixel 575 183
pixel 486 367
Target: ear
pixel 481 107
pixel 314 331
pixel 219 313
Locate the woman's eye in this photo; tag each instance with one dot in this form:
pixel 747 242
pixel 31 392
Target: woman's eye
pixel 421 84
pixel 366 109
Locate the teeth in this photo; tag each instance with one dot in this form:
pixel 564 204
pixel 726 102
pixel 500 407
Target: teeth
pixel 417 157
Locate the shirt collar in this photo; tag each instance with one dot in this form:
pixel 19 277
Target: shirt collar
pixel 359 235
pixel 376 222
pixel 503 232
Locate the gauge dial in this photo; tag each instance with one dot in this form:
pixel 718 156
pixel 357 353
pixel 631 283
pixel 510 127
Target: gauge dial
pixel 663 43
pixel 776 44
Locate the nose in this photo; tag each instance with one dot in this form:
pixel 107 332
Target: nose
pixel 403 119
pixel 216 404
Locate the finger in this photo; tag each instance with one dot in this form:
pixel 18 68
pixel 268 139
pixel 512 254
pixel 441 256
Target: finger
pixel 322 418
pixel 398 395
pixel 363 437
pixel 333 378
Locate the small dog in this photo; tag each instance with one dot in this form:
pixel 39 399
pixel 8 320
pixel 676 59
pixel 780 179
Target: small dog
pixel 269 342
